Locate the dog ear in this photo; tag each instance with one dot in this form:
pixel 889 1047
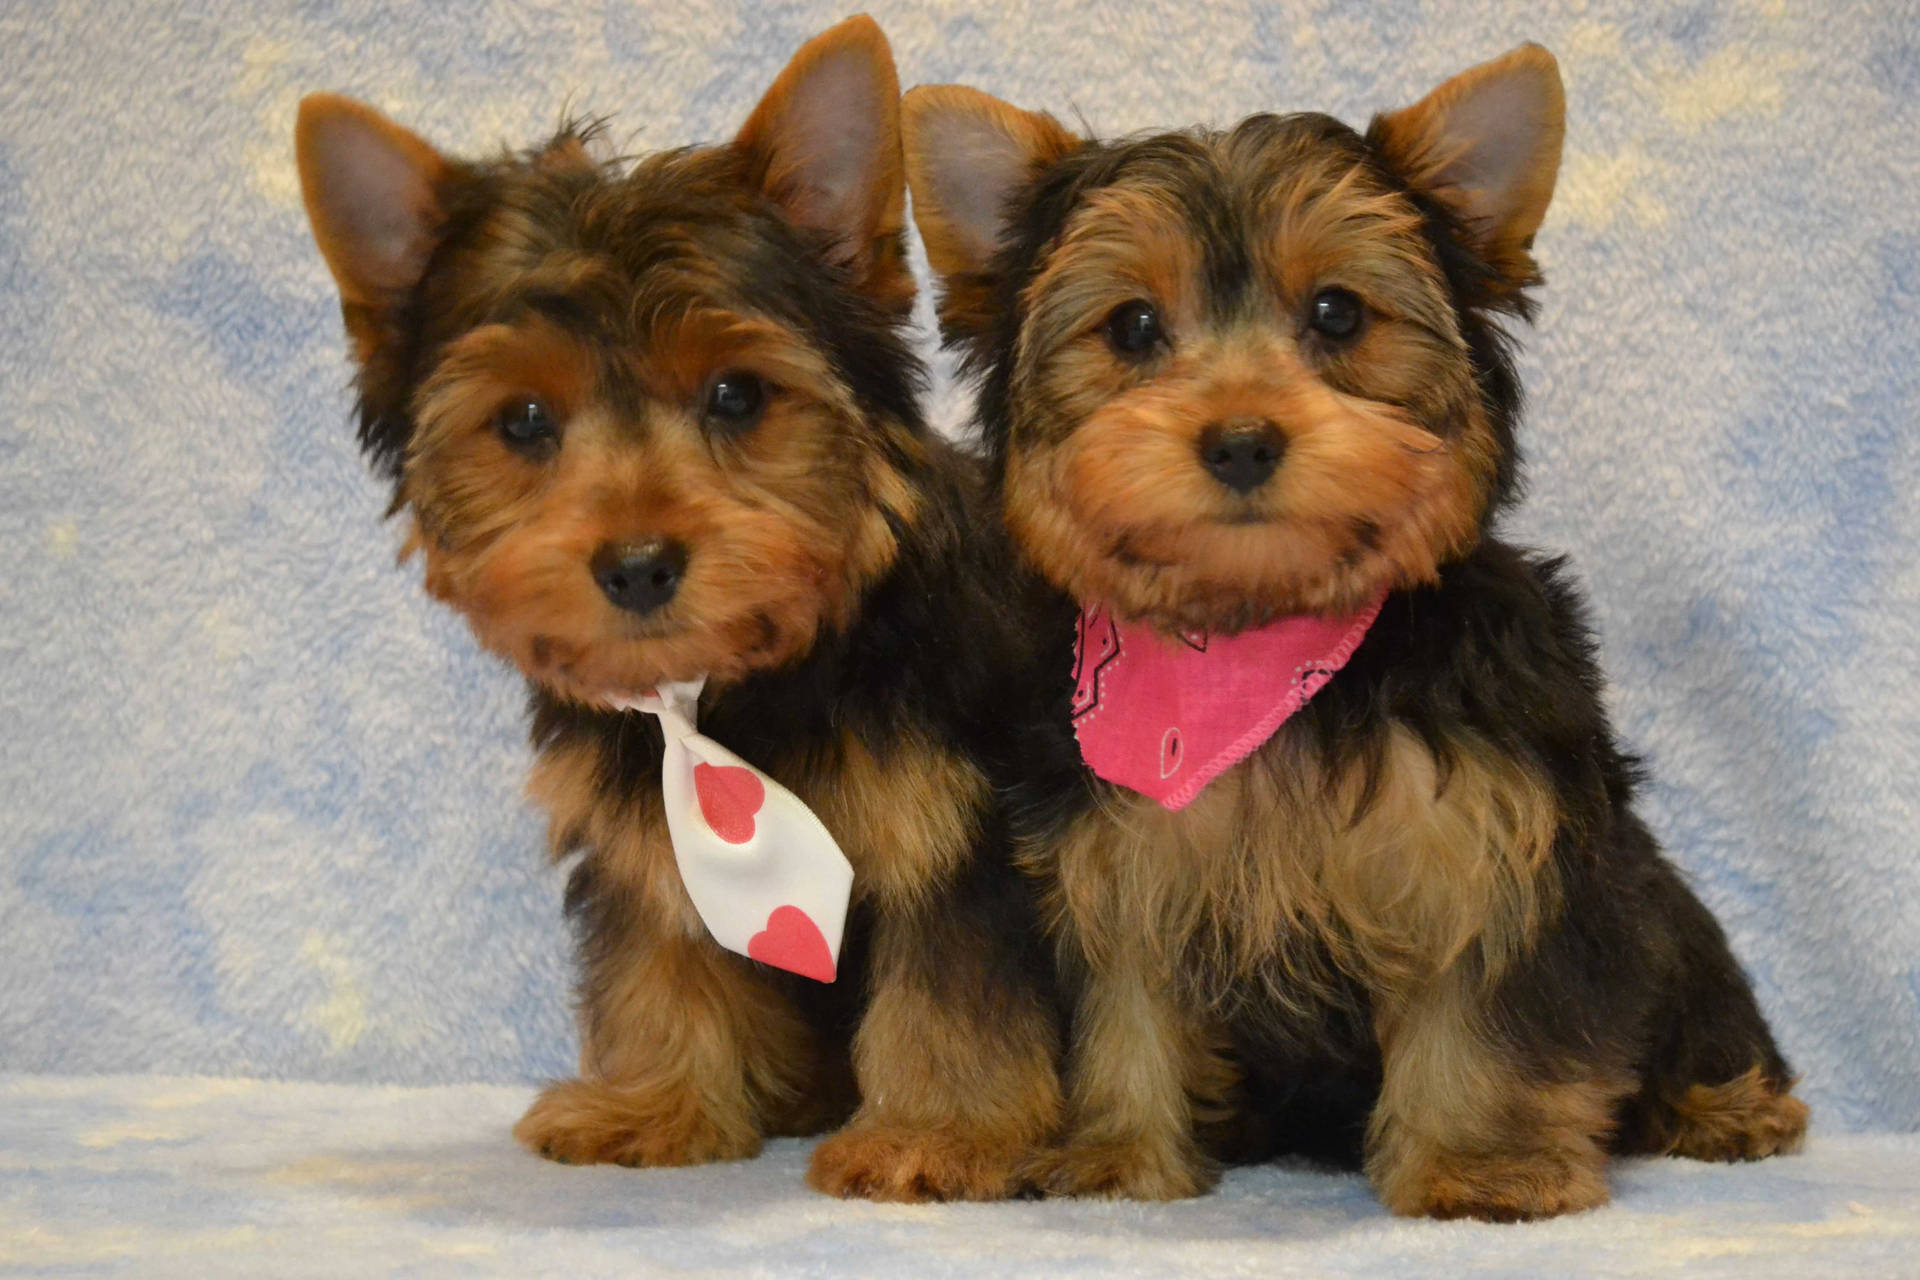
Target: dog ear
pixel 968 153
pixel 1487 144
pixel 824 143
pixel 372 192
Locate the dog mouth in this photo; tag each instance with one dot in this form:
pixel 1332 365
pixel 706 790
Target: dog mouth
pixel 1186 546
pixel 1231 571
pixel 588 672
pixel 1179 544
pixel 621 667
pixel 1125 551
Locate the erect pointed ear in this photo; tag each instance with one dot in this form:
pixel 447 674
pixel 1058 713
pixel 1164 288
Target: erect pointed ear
pixel 1487 143
pixel 824 143
pixel 968 153
pixel 372 191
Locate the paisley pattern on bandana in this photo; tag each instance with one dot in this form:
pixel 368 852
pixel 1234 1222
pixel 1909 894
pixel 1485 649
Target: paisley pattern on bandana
pixel 1165 716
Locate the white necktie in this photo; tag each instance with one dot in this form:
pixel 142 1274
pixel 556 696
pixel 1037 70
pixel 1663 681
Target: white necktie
pixel 765 875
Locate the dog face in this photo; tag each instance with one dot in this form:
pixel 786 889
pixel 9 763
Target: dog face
pixel 647 420
pixel 1234 375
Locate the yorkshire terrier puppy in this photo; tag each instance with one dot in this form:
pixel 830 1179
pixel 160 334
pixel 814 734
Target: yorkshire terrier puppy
pixel 1356 858
pixel 655 421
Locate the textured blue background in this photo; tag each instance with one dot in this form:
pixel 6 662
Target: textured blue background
pixel 259 799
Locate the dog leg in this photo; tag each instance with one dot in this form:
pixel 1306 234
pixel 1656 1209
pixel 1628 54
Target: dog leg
pixel 688 1052
pixel 1138 1061
pixel 1461 1130
pixel 956 1055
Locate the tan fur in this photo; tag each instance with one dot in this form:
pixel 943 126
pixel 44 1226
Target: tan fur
pixel 1109 512
pixel 1545 1157
pixel 1156 1165
pixel 1413 877
pixel 1426 143
pixel 793 518
pixel 1436 864
pixel 1105 490
pixel 782 146
pixel 874 1161
pixel 940 118
pixel 1329 223
pixel 906 822
pixel 960 1085
pixel 941 1067
pixel 688 1056
pixel 370 271
pixel 960 1088
pixel 626 834
pixel 1442 865
pixel 1418 869
pixel 776 557
pixel 1145 1073
pixel 1747 1118
pixel 647 1125
pixel 584 287
pixel 1124 243
pixel 1461 1131
pixel 957 1095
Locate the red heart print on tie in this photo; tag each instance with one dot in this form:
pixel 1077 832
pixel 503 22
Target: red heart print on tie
pixel 792 941
pixel 729 797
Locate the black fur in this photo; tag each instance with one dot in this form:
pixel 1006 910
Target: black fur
pixel 675 212
pixel 924 652
pixel 1633 974
pixel 929 652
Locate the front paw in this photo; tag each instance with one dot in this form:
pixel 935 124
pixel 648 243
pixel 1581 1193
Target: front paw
pixel 1497 1187
pixel 1130 1169
pixel 911 1165
pixel 586 1122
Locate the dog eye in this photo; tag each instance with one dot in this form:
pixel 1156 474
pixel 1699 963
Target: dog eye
pixel 1335 314
pixel 735 401
pixel 527 426
pixel 1133 328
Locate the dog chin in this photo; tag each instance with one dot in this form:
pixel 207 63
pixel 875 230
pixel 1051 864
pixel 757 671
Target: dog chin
pixel 1208 604
pixel 575 676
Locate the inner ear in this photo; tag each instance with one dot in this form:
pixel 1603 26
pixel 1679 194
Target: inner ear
pixel 968 153
pixel 372 191
pixel 824 143
pixel 1487 142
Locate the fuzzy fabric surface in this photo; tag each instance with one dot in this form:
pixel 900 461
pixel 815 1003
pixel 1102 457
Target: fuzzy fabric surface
pixel 150 1176
pixel 260 807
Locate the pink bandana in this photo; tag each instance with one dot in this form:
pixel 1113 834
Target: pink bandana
pixel 1166 717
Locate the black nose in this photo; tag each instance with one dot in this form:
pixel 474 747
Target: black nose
pixel 640 576
pixel 1242 452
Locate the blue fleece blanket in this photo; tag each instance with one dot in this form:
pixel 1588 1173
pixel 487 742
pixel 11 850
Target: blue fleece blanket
pixel 259 799
pixel 145 1177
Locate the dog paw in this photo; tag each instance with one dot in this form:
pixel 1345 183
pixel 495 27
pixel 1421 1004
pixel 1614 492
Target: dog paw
pixel 1498 1188
pixel 1744 1119
pixel 1134 1169
pixel 912 1165
pixel 585 1122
